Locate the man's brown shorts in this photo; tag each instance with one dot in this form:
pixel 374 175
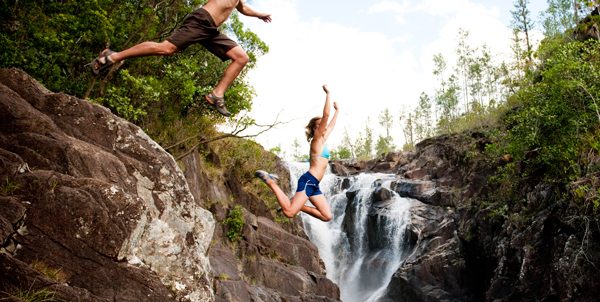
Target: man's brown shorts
pixel 199 27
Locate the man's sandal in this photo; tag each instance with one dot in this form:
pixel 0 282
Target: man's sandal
pixel 218 102
pixel 102 64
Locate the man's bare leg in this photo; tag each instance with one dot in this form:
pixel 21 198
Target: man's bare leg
pixel 148 48
pixel 239 59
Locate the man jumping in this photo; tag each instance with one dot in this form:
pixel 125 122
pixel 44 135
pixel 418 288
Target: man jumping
pixel 201 26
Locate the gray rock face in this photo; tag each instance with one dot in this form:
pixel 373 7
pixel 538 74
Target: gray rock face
pixel 93 196
pixel 279 264
pixel 435 269
pixel 466 248
pixel 271 261
pixel 425 191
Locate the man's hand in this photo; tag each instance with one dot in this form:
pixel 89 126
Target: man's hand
pixel 325 89
pixel 335 106
pixel 265 17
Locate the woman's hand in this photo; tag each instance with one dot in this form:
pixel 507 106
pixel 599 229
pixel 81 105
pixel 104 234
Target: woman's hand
pixel 325 89
pixel 335 106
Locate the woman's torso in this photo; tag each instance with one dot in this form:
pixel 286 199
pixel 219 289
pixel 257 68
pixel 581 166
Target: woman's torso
pixel 318 159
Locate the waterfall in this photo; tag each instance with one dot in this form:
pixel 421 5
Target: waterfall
pixel 363 245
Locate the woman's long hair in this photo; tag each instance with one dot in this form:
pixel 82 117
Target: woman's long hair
pixel 310 128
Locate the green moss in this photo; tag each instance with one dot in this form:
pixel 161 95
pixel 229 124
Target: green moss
pixel 223 276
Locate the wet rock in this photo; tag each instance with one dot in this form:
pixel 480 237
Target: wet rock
pixel 435 255
pixel 338 168
pixel 425 191
pixel 377 183
pixel 381 194
pixel 380 224
pixel 351 194
pixel 346 183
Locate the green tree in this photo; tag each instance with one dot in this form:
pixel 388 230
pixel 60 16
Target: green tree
pixel 341 153
pixel 464 61
pixel 385 144
pixel 558 117
pixel 523 24
pixel 558 17
pixel 386 120
pixel 422 118
pixel 53 40
pixel 439 71
pixel 298 153
pixel 278 151
pixel 583 7
pixel 447 101
pixel 364 144
pixel 408 130
pixel 347 149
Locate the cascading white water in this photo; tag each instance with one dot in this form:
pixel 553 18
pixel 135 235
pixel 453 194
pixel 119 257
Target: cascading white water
pixel 363 245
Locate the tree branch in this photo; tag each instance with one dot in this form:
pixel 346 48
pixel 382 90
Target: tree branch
pixel 239 127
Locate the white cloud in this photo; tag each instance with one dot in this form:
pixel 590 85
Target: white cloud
pixel 399 9
pixel 367 71
pixel 364 71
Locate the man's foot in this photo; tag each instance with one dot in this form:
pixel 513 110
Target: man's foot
pixel 218 102
pixel 264 176
pixel 102 64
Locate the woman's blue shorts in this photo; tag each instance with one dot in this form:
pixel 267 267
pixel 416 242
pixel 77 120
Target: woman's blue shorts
pixel 309 184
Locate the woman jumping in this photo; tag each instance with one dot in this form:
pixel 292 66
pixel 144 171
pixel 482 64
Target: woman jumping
pixel 317 132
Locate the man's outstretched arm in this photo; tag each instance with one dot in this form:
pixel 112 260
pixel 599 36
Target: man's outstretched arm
pixel 246 10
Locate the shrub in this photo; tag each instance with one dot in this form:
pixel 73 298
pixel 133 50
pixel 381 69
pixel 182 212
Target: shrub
pixel 235 223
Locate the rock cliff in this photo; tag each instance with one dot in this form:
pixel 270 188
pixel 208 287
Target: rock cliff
pixel 92 209
pixel 464 248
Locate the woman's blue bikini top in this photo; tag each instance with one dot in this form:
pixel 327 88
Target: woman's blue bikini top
pixel 325 152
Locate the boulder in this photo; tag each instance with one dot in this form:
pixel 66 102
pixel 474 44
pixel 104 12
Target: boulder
pixel 381 194
pixel 281 266
pixel 425 191
pixel 91 195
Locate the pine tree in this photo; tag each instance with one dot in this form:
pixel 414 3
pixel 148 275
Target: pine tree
pixel 422 118
pixel 523 24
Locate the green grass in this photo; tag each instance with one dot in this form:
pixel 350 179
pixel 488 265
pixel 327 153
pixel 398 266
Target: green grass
pixel 55 274
pixel 41 295
pixel 8 187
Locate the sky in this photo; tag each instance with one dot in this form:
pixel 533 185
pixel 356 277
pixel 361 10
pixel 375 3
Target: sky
pixel 373 55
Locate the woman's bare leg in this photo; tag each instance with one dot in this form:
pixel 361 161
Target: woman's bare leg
pixel 314 213
pixel 322 210
pixel 290 207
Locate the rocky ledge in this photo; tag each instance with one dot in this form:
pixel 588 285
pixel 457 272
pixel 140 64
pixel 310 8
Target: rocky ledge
pixel 92 209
